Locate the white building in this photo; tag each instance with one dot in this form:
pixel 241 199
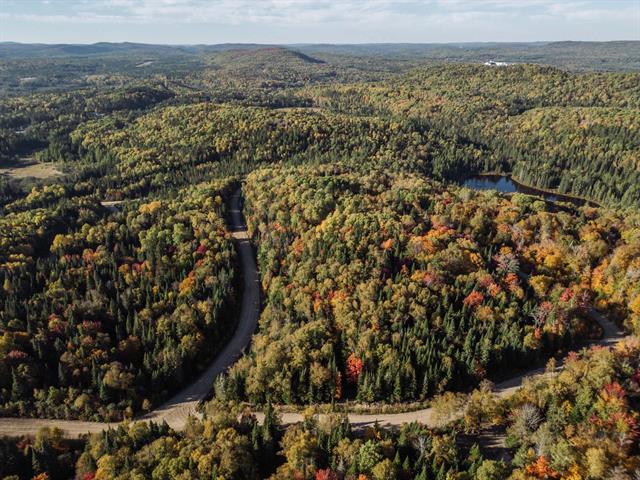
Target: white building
pixel 493 63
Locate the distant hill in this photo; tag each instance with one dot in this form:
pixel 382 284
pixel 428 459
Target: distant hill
pixel 275 66
pixel 578 56
pixel 266 55
pixel 34 50
pixel 267 60
pixel 613 56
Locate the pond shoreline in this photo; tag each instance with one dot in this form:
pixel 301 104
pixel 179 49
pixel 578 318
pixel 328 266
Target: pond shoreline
pixel 543 192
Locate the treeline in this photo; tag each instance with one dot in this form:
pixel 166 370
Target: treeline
pixel 547 127
pixel 222 446
pixel 580 423
pixel 101 320
pixel 388 287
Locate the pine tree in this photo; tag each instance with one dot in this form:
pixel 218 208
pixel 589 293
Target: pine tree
pixel 423 474
pixel 406 466
pixel 18 388
pixel 103 392
pixel 36 464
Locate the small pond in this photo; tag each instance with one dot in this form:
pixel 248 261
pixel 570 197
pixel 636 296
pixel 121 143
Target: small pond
pixel 505 184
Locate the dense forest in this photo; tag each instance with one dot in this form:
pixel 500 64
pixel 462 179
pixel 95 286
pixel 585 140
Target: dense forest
pixel 576 133
pixel 32 68
pixel 572 132
pixel 104 322
pixel 43 122
pixel 176 145
pixel 393 288
pixel 383 281
pixel 579 424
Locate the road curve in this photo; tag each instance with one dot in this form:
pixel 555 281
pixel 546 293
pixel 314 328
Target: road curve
pixel 177 409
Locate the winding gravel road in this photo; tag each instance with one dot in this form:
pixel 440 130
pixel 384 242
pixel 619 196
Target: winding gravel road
pixel 176 410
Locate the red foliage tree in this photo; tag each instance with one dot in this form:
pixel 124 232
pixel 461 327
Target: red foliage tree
pixel 474 299
pixel 541 469
pixel 354 367
pixel 326 474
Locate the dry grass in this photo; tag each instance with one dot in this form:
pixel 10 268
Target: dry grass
pixel 29 168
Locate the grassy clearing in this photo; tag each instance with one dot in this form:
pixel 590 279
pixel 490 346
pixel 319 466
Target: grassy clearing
pixel 29 168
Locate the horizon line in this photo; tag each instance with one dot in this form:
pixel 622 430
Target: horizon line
pixel 505 42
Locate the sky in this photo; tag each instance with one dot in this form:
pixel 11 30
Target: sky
pixel 317 21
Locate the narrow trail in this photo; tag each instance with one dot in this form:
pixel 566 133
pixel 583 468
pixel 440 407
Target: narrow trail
pixel 176 410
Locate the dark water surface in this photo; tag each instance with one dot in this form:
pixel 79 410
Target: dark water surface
pixel 504 184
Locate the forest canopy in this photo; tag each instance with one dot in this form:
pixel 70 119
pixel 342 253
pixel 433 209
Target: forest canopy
pixel 118 307
pixel 389 287
pixel 383 282
pixel 579 424
pixel 577 133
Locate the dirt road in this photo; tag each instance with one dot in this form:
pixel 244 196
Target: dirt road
pixel 176 410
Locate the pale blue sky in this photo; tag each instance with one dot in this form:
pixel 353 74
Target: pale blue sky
pixel 316 21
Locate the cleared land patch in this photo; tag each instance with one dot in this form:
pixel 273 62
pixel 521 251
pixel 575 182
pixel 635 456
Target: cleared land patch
pixel 29 168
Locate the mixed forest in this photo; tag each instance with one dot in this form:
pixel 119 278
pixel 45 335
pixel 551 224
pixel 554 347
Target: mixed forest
pixel 384 281
pixel 550 425
pixel 574 133
pixel 390 287
pixel 100 316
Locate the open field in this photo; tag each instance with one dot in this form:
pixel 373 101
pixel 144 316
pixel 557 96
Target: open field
pixel 29 168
